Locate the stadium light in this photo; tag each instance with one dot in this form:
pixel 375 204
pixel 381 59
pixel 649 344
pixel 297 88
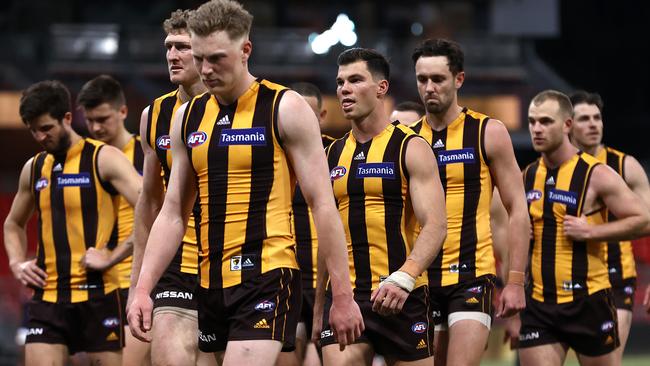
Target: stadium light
pixel 342 31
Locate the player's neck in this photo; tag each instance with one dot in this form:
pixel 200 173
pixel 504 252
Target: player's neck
pixel 555 158
pixel 364 129
pixel 189 91
pixel 440 121
pixel 591 150
pixel 238 89
pixel 121 139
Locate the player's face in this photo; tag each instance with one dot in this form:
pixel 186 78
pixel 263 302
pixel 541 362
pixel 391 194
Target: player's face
pixel 404 117
pixel 587 127
pixel 220 61
pixel 357 90
pixel 105 121
pixel 179 59
pixel 50 133
pixel 437 86
pixel 547 125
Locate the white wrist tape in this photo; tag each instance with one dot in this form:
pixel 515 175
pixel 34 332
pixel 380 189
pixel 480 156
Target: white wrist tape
pixel 400 279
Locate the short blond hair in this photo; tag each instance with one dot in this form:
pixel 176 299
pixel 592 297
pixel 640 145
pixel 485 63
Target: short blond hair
pixel 177 22
pixel 565 106
pixel 221 15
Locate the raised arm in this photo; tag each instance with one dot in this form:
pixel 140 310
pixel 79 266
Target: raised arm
pixel 428 200
pixel 507 178
pixel 149 202
pixel 26 271
pixel 166 233
pixel 607 188
pixel 300 135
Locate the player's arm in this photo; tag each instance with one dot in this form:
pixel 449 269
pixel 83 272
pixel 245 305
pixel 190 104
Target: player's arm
pixel 150 200
pixel 300 135
pixel 103 259
pixel 499 229
pixel 15 237
pixel 116 169
pixel 507 178
pixel 608 188
pixel 166 233
pixel 637 180
pixel 428 200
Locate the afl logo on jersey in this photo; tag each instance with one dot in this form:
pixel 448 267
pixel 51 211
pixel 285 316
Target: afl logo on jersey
pixel 164 142
pixel 338 172
pixel 533 195
pixel 196 138
pixel 41 184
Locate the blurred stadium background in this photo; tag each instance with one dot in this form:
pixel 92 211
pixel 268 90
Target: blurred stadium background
pixel 514 49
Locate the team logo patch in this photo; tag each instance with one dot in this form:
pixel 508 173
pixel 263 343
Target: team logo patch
pixel 570 199
pixel 419 327
pixel 465 156
pixel 265 306
pixel 164 142
pixel 338 172
pixel 376 170
pixel 112 322
pixel 73 180
pixel 196 138
pixel 475 290
pixel 607 326
pixel 533 195
pixel 255 136
pixel 241 262
pixel 570 286
pixel 41 184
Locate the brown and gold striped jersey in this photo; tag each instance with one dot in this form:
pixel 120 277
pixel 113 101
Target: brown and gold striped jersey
pixel 371 187
pixel 562 270
pixel 245 185
pixel 465 176
pixel 76 211
pixel 124 223
pixel 305 233
pixel 620 257
pixel 159 124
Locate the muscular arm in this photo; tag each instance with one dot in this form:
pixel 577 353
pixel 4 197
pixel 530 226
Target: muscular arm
pixel 116 169
pixel 150 200
pixel 499 228
pixel 637 180
pixel 15 237
pixel 300 134
pixel 507 178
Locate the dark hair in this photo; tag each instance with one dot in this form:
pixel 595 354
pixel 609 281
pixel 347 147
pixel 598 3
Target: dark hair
pixel 102 89
pixel 49 96
pixel 442 47
pixel 177 22
pixel 221 15
pixel 410 106
pixel 308 90
pixel 376 62
pixel 582 96
pixel 562 99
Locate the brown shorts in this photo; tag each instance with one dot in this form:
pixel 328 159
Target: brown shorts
pixel 175 289
pixel 264 308
pixel 407 336
pixel 588 325
pixel 624 294
pixel 473 296
pixel 89 326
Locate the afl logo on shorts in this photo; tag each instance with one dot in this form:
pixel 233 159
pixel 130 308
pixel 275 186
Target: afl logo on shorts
pixel 533 195
pixel 338 172
pixel 265 306
pixel 419 327
pixel 41 184
pixel 164 142
pixel 196 138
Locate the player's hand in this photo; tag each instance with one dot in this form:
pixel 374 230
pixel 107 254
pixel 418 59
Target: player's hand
pixel 29 274
pixel 388 299
pixel 512 301
pixel 646 299
pixel 345 320
pixel 577 228
pixel 96 260
pixel 512 326
pixel 139 315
